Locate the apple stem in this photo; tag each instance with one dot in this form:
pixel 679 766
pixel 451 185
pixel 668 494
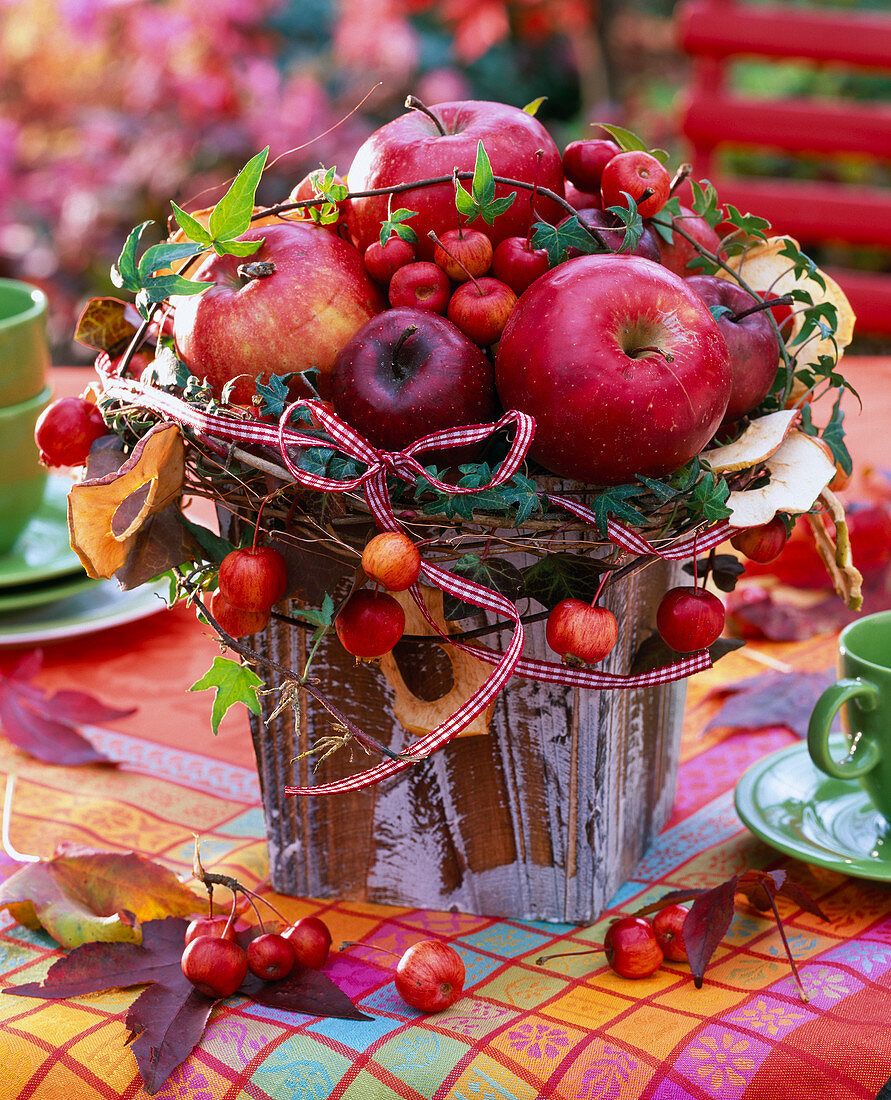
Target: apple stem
pixel 263 504
pixel 600 588
pixel 647 193
pixel 414 104
pixel 368 947
pixel 542 959
pixel 539 154
pixel 396 366
pixel 259 269
pixel 679 177
pixel 433 237
pixel 768 303
pixel 636 354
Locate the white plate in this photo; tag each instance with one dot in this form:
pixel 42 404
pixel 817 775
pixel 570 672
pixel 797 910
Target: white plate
pixel 102 606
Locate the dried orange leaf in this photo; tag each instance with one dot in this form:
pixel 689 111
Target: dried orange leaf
pixel 799 471
pixel 835 550
pixel 757 443
pixel 157 461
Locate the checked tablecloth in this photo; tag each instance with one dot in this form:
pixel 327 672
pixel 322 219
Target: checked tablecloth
pixel 570 1031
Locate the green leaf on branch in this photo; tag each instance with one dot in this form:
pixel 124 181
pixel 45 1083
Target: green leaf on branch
pixel 232 214
pixel 395 225
pixel 124 273
pixel 750 224
pixel 614 502
pixel 631 221
pixel 629 142
pixel 705 202
pixel 833 435
pixel 803 267
pixel 708 499
pixel 275 394
pixel 516 500
pixel 192 228
pixel 556 240
pixel 480 201
pixel 321 618
pixel 232 683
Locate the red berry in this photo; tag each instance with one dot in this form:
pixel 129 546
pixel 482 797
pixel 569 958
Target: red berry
pixel 668 925
pixel 576 629
pixel 393 560
pixel 430 976
pixel 369 624
pixel 215 966
pixel 253 578
pixel 631 947
pixel 689 618
pixel 270 957
pixel 310 940
pixel 66 429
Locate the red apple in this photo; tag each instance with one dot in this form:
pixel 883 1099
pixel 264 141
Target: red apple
pixel 689 618
pixel 680 252
pixel 463 253
pixel 518 264
pixel 215 966
pixel 610 228
pixel 411 148
pixel 296 317
pixel 481 309
pixel 66 429
pixel 633 173
pixel 430 976
pixel 270 957
pixel 668 924
pixel 393 560
pixel 253 578
pixel 751 341
pixel 234 621
pixel 584 161
pixel 369 624
pixel 421 285
pixel 308 188
pixel 581 200
pixel 622 366
pixel 310 939
pixel 576 629
pixel 632 949
pixel 763 543
pixel 219 927
pixel 408 373
pixel 382 261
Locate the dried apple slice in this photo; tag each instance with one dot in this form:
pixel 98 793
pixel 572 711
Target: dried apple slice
pixel 158 462
pixel 800 469
pixel 757 443
pixel 764 268
pixel 835 550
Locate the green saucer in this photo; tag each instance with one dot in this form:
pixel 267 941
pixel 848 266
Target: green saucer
pixel 42 551
pixel 24 596
pixel 792 806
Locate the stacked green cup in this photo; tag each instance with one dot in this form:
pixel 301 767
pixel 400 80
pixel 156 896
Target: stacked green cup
pixel 24 394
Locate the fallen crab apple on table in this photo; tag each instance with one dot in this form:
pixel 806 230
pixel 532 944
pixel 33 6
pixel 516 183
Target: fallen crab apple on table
pixel 475 333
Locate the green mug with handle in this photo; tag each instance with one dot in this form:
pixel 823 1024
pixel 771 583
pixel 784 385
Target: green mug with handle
pixel 24 352
pixel 863 695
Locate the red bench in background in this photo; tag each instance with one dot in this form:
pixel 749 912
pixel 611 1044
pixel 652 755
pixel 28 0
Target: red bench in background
pixel 714 33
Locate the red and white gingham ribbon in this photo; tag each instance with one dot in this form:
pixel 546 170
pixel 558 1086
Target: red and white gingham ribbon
pixel 373 483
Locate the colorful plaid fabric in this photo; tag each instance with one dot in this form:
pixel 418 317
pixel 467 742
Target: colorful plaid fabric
pixel 570 1030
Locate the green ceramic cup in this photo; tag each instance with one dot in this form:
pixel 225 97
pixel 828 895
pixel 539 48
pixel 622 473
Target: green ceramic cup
pixel 864 692
pixel 22 478
pixel 24 354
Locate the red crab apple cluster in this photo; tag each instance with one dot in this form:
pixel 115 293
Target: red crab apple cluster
pixel 251 581
pixel 215 962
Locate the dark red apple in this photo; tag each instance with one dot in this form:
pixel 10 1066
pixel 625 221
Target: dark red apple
pixel 234 621
pixel 308 296
pixel 66 430
pixel 751 341
pixel 310 939
pixel 270 957
pixel 763 543
pixel 689 618
pixel 518 264
pixel 411 147
pixel 581 200
pixel 369 624
pixel 622 365
pixel 612 231
pixel 253 578
pixel 407 373
pixel 632 949
pixel 215 966
pixel 668 924
pixel 584 161
pixel 677 255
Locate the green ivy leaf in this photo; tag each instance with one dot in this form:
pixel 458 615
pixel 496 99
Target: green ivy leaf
pixel 492 572
pixel 125 273
pixel 480 202
pixel 556 240
pixel 562 576
pixel 233 683
pixel 834 436
pixel 192 228
pixel 708 498
pixel 232 214
pixel 614 502
pixel 751 224
pixel 275 394
pixel 395 224
pixel 705 202
pixel 631 221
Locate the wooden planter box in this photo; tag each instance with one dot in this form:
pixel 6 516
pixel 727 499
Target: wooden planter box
pixel 544 816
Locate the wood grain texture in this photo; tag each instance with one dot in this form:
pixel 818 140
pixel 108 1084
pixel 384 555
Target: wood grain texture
pixel 544 817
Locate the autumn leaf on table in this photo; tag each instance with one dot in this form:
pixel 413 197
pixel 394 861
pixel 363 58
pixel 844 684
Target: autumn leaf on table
pixel 770 699
pixel 82 895
pixel 47 726
pixel 168 1018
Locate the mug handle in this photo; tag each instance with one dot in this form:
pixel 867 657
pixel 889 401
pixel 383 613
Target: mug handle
pixel 828 705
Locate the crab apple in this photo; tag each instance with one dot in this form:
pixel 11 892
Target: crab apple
pixel 310 940
pixel 236 622
pixel 253 578
pixel 584 161
pixel 518 264
pixel 382 261
pixel 668 924
pixel 419 146
pixel 430 976
pixel 576 629
pixel 215 966
pixel 288 307
pixel 421 285
pixel 369 624
pixel 677 255
pixel 751 342
pixel 66 429
pixel 640 354
pixel 216 927
pixel 763 543
pixel 581 200
pixel 689 618
pixel 463 253
pixel 393 560
pixel 633 173
pixel 481 309
pixel 632 949
pixel 270 957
